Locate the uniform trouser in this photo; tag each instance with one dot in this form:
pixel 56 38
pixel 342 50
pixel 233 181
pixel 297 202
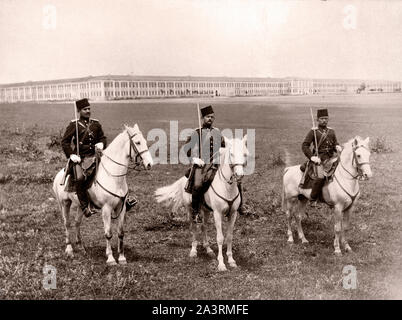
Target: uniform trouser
pixel 197 190
pixel 81 186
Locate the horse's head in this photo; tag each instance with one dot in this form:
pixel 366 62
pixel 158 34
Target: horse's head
pixel 237 155
pixel 138 147
pixel 361 156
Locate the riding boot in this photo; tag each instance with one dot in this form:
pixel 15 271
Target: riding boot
pixel 83 199
pixel 316 191
pixel 196 206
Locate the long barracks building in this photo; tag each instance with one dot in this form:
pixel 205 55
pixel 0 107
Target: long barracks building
pixel 119 87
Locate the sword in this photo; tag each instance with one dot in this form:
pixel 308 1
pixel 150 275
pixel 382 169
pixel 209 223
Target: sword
pixel 315 140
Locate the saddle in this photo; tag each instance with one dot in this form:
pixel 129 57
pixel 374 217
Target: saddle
pixel 208 175
pixel 89 168
pixel 313 172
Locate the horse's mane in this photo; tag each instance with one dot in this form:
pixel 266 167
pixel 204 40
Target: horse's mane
pixel 117 138
pixel 350 141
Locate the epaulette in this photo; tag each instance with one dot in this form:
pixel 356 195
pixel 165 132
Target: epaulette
pixel 314 128
pixel 74 120
pixel 94 120
pixel 330 128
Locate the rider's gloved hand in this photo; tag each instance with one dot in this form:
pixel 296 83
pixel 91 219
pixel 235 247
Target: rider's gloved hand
pixel 199 162
pixel 74 158
pixel 99 145
pixel 315 159
pixel 338 148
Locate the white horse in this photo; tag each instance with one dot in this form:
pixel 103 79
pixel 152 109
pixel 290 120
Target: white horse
pixel 222 197
pixel 109 190
pixel 341 193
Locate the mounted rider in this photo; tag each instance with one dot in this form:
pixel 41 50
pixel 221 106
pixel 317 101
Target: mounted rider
pixel 328 146
pixel 205 162
pixel 91 138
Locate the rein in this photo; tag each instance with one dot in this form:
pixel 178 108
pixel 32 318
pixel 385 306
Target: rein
pixel 230 182
pixel 354 177
pixel 137 163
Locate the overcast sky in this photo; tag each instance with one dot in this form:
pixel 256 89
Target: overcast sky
pixel 266 38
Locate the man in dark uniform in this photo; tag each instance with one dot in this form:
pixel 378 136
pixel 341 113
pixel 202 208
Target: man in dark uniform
pixel 206 164
pixel 90 137
pixel 328 146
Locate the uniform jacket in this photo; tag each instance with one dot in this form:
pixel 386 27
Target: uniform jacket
pixel 89 133
pixel 212 140
pixel 326 148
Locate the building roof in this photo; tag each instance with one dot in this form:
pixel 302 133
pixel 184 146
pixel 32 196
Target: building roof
pixel 178 78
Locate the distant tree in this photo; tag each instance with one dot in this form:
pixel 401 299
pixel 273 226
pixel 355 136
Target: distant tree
pixel 361 88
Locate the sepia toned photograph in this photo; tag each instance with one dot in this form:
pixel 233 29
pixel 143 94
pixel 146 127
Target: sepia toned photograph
pixel 200 150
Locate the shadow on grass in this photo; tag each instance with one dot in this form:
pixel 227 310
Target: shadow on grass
pixel 166 225
pixel 97 254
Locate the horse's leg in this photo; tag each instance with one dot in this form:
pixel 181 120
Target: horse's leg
pixel 219 240
pixel 193 229
pixel 122 218
pixel 65 210
pixel 78 221
pixel 204 226
pixel 289 215
pixel 300 206
pixel 345 227
pixel 107 223
pixel 229 239
pixel 338 228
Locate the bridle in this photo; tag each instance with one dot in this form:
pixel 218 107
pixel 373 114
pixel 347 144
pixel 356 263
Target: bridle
pixel 138 154
pixel 359 174
pixel 358 164
pixel 233 176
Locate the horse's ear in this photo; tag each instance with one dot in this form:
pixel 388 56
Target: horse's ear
pixel 366 142
pixel 125 126
pixel 136 127
pixel 245 139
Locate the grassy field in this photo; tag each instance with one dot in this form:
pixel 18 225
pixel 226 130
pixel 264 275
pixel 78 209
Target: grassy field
pixel 157 248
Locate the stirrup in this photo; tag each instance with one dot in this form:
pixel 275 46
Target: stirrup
pixel 89 211
pixel 196 217
pixel 130 203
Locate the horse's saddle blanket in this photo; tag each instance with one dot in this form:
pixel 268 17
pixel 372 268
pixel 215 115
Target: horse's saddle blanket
pixel 314 172
pixel 88 166
pixel 208 175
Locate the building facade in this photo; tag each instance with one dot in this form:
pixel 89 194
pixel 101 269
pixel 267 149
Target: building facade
pixel 115 87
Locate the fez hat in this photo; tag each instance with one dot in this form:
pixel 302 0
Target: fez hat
pixel 207 110
pixel 322 113
pixel 81 104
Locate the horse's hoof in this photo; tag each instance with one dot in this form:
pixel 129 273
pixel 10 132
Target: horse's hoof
pixel 338 253
pixel 290 240
pixel 69 252
pixel 305 241
pixel 348 249
pixel 122 260
pixel 193 254
pixel 210 253
pixel 233 265
pixel 222 268
pixel 111 262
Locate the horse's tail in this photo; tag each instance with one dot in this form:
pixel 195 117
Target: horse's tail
pixel 284 207
pixel 172 195
pixel 56 184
